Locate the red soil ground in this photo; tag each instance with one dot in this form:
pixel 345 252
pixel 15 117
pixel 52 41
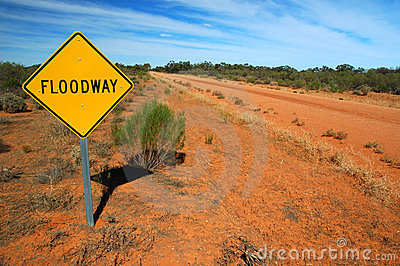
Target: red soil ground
pixel 238 193
pixel 363 122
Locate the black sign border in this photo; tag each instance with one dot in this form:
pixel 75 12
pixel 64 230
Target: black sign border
pixel 55 114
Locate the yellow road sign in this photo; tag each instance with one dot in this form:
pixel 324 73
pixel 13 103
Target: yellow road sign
pixel 78 85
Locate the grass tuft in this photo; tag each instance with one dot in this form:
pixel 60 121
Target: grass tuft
pixel 152 135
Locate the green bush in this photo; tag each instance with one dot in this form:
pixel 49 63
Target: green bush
pixel 217 93
pixel 10 83
pixel 208 139
pixel 152 135
pixel 371 145
pixel 329 133
pixel 341 135
pixel 238 101
pixel 5 120
pixel 11 103
pixel 250 79
pixel 116 133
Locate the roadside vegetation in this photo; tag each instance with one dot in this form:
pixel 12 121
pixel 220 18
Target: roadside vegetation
pixel 306 148
pixel 343 78
pixel 152 135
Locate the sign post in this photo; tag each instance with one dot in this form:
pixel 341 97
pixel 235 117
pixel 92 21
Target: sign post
pixel 86 181
pixel 79 86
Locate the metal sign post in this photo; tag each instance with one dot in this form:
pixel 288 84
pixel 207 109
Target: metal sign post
pixel 86 181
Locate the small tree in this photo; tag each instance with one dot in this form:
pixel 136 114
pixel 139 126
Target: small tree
pixel 152 135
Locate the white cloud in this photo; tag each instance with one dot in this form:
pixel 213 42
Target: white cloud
pixel 301 33
pixel 112 17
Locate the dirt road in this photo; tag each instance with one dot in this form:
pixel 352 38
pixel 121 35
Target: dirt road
pixel 363 122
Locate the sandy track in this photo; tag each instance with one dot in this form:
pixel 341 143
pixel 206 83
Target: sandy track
pixel 379 113
pixel 363 122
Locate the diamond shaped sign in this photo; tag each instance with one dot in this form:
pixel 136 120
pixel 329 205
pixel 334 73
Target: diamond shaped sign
pixel 78 85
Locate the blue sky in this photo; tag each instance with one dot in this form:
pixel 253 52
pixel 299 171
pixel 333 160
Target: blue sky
pixel 298 33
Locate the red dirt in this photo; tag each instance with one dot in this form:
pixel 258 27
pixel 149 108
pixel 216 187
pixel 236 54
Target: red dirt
pixel 199 212
pixel 363 122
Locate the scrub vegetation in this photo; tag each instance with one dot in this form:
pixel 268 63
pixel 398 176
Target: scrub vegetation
pixel 152 135
pixel 343 78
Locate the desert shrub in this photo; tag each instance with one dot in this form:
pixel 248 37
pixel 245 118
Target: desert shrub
pixel 208 139
pixel 250 79
pixel 365 90
pixel 116 133
pixel 57 131
pixel 371 145
pixel 59 171
pixel 282 82
pixel 167 91
pixel 379 150
pixel 76 155
pixel 119 108
pixel 103 176
pixel 362 90
pixel 217 93
pixel 52 200
pixel 329 133
pixel 238 101
pixel 10 83
pixel 221 97
pixel 102 149
pixel 341 135
pixel 5 121
pixel 393 161
pixel 298 122
pixel 152 135
pixel 208 90
pixel 299 83
pixel 7 174
pixel 118 119
pixel 37 106
pixel 11 103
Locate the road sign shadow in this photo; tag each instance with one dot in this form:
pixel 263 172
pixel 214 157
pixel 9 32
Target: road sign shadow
pixel 113 178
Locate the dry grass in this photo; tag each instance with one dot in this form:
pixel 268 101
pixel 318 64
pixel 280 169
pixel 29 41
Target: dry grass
pixel 306 147
pixel 47 201
pixel 239 250
pixel 112 239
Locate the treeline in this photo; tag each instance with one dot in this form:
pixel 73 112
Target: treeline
pixel 343 78
pixel 13 75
